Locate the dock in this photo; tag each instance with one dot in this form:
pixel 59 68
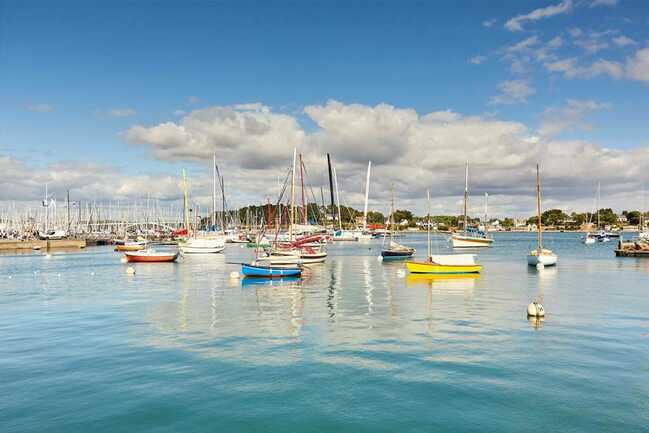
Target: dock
pixel 13 244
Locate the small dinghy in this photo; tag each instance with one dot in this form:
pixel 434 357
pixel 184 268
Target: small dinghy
pixel 130 246
pixel 397 251
pixel 446 264
pixel 259 270
pixel 150 256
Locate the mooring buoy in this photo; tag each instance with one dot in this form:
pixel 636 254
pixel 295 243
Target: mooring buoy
pixel 535 310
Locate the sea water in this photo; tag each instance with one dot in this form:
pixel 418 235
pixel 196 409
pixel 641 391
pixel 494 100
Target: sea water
pixel 357 345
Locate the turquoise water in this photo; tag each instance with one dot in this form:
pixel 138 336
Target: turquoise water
pixel 354 347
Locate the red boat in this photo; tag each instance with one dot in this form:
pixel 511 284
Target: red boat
pixel 151 256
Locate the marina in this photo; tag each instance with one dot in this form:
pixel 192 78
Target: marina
pixel 418 344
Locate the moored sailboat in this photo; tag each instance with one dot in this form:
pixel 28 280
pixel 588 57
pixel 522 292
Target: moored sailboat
pixel 394 250
pixel 540 256
pixel 470 237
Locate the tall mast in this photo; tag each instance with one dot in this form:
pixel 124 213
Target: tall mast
pixel 466 195
pixel 331 191
pixel 598 198
pixel 68 206
pixel 428 224
pixel 538 211
pixel 367 194
pixel 213 191
pixel 391 220
pixel 292 216
pixel 304 213
pixel 486 201
pixel 47 211
pixel 185 203
pixel 340 219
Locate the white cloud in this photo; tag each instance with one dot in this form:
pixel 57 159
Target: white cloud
pixel 570 68
pixel 40 108
pixel 569 117
pixel 637 67
pixel 623 41
pixel 512 92
pixel 523 45
pixel 516 24
pixel 122 112
pixel 249 134
pixel 611 3
pixel 476 60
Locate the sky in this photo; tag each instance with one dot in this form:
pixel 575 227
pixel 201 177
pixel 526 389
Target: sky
pixel 113 99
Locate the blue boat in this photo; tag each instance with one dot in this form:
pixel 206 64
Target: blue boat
pixel 269 272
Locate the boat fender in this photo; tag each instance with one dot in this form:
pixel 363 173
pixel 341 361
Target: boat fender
pixel 123 260
pixel 234 275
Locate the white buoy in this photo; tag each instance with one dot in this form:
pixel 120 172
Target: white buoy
pixel 130 270
pixel 92 274
pixel 535 310
pixel 379 258
pixel 540 265
pixel 234 275
pixel 10 277
pixel 401 273
pixel 48 256
pixel 123 260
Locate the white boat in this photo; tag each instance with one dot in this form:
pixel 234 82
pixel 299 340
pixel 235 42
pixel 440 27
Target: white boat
pixel 589 239
pixel 203 245
pixel 540 255
pixel 470 237
pixel 53 234
pixel 344 235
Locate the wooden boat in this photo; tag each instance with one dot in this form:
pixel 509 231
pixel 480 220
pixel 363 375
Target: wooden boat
pixel 131 246
pixel 255 270
pixel 150 256
pixel 443 264
pixel 470 237
pixel 540 255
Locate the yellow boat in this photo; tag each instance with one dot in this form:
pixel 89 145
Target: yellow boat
pixel 453 264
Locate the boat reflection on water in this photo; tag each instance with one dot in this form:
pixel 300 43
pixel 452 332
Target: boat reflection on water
pixel 536 322
pixel 455 281
pixel 284 281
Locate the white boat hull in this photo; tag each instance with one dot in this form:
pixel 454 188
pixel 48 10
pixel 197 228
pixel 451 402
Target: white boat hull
pixel 203 246
pixel 470 242
pixel 547 258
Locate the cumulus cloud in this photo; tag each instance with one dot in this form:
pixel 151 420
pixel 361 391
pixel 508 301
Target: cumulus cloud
pixel 516 24
pixel 569 117
pixel 489 23
pixel 623 41
pixel 248 134
pixel 570 68
pixel 410 150
pixel 40 108
pixel 513 92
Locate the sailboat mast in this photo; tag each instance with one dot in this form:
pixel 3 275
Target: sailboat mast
pixel 538 211
pixel 185 203
pixel 340 219
pixel 599 195
pixel 428 224
pixel 466 196
pixel 292 216
pixel 486 201
pixel 331 191
pixel 213 190
pixel 367 194
pixel 304 213
pixel 47 211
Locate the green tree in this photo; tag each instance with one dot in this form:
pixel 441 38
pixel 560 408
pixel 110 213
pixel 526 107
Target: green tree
pixel 507 223
pixel 374 217
pixel 402 214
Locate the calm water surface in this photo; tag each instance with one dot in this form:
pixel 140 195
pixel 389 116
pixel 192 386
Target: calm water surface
pixel 356 346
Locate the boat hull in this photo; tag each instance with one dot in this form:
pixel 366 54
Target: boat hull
pixel 269 271
pixel 438 269
pixel 470 242
pixel 150 258
pixel 546 258
pixel 129 247
pixel 395 255
pixel 199 250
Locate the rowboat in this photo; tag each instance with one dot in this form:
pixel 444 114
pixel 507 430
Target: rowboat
pixel 397 251
pixel 255 270
pixel 131 246
pixel 150 256
pixel 442 264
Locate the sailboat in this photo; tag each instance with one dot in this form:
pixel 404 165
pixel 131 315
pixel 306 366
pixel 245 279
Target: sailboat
pixel 363 234
pixel 540 256
pixel 592 238
pixel 341 234
pixel 394 250
pixel 471 237
pixel 443 264
pixel 201 243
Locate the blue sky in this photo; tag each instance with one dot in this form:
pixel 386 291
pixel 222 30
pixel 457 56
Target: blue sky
pixel 65 67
